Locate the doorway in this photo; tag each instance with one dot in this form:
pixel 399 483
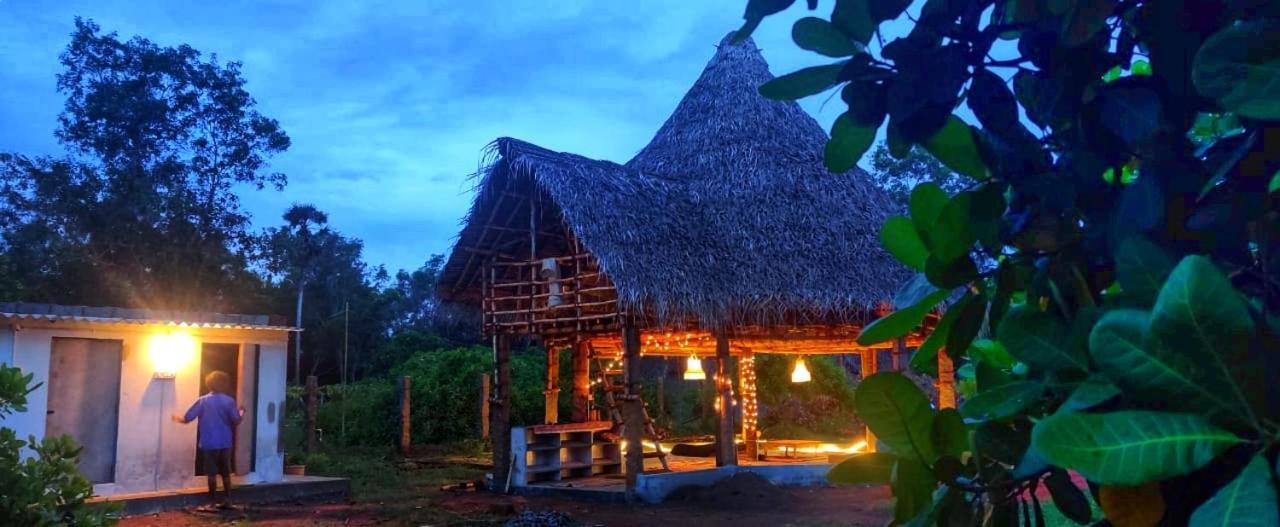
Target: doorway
pixel 84 401
pixel 224 358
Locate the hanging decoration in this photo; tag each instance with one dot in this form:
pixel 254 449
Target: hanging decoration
pixel 693 369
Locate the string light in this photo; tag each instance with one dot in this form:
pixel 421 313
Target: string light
pixel 750 406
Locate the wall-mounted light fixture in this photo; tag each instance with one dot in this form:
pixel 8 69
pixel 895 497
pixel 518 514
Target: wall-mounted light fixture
pixel 170 351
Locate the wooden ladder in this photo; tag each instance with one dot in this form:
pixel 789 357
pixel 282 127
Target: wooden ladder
pixel 613 383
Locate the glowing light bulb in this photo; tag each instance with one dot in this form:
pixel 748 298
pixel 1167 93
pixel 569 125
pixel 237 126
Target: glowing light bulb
pixel 801 372
pixel 693 369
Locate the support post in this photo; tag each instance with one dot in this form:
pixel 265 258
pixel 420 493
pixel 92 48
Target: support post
pixel 869 368
pixel 899 352
pixel 406 416
pixel 484 407
pixel 726 447
pixel 946 381
pixel 313 407
pixel 500 412
pixel 632 407
pixel 551 410
pixel 750 405
pixel 581 382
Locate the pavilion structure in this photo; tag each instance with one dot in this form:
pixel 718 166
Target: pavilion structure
pixel 723 238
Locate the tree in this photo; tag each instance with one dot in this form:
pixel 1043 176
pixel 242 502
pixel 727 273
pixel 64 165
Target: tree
pixel 418 308
pixel 1134 217
pixel 141 211
pixel 292 252
pixel 899 176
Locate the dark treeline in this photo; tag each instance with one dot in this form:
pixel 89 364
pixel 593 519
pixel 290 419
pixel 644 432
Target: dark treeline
pixel 141 211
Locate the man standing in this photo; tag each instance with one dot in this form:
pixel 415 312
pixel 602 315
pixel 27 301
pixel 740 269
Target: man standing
pixel 218 416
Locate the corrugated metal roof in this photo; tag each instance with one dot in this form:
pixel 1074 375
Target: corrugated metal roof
pixel 121 315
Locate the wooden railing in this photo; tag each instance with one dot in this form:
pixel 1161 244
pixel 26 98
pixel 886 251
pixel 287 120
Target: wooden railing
pixel 519 298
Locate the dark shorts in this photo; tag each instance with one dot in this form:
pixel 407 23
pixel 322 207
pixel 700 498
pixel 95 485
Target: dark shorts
pixel 216 461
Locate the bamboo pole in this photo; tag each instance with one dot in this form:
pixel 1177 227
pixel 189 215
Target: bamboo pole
pixel 406 416
pixel 500 411
pixel 750 405
pixel 946 383
pixel 632 407
pixel 551 408
pixel 726 447
pixel 581 382
pixel 484 407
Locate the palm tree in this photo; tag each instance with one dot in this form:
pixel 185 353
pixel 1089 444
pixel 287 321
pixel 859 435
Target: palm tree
pixel 295 251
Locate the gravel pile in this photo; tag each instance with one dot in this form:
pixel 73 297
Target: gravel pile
pixel 541 519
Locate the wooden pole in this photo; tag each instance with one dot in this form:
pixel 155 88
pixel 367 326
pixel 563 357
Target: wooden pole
pixel 726 447
pixel 484 407
pixel 946 381
pixel 750 405
pixel 313 408
pixel 551 409
pixel 500 411
pixel 869 368
pixel 632 407
pixel 899 351
pixel 406 414
pixel 581 382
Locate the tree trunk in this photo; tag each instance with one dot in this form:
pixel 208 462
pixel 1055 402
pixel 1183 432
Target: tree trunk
pixel 632 407
pixel 726 446
pixel 500 413
pixel 297 336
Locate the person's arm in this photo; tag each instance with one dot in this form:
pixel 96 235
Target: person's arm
pixel 192 413
pixel 237 414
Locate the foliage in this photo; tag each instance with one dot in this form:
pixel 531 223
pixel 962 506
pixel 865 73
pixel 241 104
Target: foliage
pixel 142 211
pixel 41 487
pixel 1118 232
pixel 899 175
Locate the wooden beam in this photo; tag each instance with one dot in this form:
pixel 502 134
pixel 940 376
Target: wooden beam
pixel 406 416
pixel 750 405
pixel 946 381
pixel 632 408
pixel 581 399
pixel 726 447
pixel 500 412
pixel 869 368
pixel 551 409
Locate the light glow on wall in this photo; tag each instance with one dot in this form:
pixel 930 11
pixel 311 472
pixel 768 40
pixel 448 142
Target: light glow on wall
pixel 170 352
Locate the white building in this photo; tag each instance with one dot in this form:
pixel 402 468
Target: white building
pixel 112 377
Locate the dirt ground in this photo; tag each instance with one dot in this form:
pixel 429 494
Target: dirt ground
pixel 733 504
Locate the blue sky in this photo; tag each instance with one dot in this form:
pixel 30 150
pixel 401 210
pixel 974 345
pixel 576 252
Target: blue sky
pixel 389 104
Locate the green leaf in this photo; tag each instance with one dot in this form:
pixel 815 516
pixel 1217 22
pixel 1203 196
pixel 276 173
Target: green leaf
pixel 1141 267
pixel 1248 500
pixel 898 413
pixel 802 83
pixel 949 434
pixel 927 200
pixel 848 143
pixel 899 237
pixel 913 485
pixel 1068 497
pixel 818 35
pixel 899 146
pixel 1140 68
pixel 966 326
pixel 1085 19
pixel 951 235
pixel 954 146
pixel 1152 372
pixel 868 468
pixel 949 275
pixel 899 322
pixel 991 352
pixel 1239 66
pixel 925 359
pixel 1002 401
pixel 1274 184
pixel 1112 74
pixel 756 11
pixel 1090 393
pixel 1130 447
pixel 913 291
pixel 1040 340
pixel 1201 324
pixel 853 17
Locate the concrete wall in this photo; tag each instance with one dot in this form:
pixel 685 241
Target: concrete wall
pixel 153 452
pixel 6 345
pixel 654 488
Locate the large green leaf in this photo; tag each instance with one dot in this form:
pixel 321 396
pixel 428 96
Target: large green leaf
pixel 1068 497
pixel 925 359
pixel 927 200
pixel 1201 321
pixel 1040 340
pixel 991 352
pixel 951 235
pixel 802 83
pixel 899 322
pixel 913 485
pixel 1090 393
pixel 955 147
pixel 1084 19
pixel 966 326
pixel 899 237
pixel 1249 500
pixel 1239 67
pixel 848 142
pixel 950 274
pixel 949 434
pixel 866 468
pixel 818 35
pixel 1129 447
pixel 853 17
pixel 1156 373
pixel 898 413
pixel 1141 267
pixel 1002 401
pixel 756 11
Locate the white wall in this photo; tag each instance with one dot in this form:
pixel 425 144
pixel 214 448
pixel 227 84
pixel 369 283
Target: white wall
pixel 6 345
pixel 153 452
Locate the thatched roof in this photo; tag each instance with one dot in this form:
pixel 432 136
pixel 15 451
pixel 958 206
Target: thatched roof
pixel 727 214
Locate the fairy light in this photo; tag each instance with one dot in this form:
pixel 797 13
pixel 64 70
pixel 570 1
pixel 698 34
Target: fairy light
pixel 747 377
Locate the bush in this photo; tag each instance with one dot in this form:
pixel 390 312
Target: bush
pixel 44 489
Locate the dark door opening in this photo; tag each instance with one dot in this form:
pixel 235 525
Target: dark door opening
pixel 224 358
pixel 84 401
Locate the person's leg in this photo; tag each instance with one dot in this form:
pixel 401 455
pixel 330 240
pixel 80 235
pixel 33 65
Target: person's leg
pixel 224 468
pixel 210 473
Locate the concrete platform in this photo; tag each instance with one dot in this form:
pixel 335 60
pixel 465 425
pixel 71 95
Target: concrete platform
pixel 291 489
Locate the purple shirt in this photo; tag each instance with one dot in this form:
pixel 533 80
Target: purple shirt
pixel 218 416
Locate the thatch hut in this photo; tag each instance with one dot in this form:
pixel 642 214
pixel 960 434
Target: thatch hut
pixel 724 237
